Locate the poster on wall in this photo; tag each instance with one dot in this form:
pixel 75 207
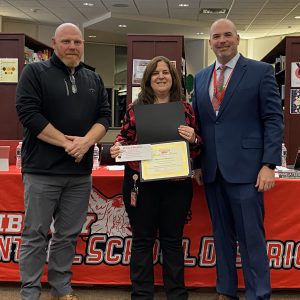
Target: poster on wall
pixel 135 93
pixel 8 70
pixel 295 74
pixel 138 68
pixel 295 101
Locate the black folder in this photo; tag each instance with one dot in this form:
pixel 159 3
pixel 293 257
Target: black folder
pixel 157 123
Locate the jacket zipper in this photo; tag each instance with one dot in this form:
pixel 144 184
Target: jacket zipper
pixel 67 88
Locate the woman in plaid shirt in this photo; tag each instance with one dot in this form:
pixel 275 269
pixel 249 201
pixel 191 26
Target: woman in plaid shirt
pixel 162 206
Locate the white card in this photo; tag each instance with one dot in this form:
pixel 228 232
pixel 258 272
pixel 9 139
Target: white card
pixel 134 153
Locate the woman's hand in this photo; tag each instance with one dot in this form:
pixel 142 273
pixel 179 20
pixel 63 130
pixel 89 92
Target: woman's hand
pixel 188 133
pixel 115 150
pixel 197 175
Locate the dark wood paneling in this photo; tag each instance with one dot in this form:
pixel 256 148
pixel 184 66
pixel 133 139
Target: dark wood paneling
pixel 171 50
pixel 149 46
pixel 12 46
pixel 10 127
pixel 143 49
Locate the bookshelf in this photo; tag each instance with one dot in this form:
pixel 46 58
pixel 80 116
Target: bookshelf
pixel 20 46
pixel 282 56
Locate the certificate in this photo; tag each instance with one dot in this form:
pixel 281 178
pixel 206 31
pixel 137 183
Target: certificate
pixel 169 160
pixel 134 153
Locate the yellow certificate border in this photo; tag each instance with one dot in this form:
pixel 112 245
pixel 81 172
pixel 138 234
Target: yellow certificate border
pixel 169 160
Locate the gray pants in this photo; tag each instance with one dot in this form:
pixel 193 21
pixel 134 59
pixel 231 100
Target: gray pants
pixel 63 199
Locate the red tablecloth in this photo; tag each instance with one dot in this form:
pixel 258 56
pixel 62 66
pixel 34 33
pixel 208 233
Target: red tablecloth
pixel 103 249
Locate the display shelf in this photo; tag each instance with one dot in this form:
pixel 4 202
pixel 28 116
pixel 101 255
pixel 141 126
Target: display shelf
pixel 12 45
pixel 286 52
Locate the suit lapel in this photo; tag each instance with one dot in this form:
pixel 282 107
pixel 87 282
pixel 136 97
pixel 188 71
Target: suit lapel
pixel 208 104
pixel 236 77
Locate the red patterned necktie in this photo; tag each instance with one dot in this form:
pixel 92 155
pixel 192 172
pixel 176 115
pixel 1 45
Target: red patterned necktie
pixel 220 91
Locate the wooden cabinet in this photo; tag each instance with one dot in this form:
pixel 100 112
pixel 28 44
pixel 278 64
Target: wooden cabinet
pixel 12 45
pixel 145 47
pixel 289 48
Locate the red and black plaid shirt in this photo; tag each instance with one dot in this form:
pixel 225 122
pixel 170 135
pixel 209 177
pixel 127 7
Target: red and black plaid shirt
pixel 128 136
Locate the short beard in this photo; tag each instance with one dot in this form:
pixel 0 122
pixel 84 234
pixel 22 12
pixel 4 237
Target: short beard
pixel 71 64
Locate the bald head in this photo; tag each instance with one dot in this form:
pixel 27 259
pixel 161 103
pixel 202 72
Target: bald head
pixel 223 22
pixel 68 44
pixel 66 27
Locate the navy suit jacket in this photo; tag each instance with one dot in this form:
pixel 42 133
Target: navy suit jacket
pixel 248 129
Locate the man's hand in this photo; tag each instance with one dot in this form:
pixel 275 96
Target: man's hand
pixel 78 147
pixel 265 179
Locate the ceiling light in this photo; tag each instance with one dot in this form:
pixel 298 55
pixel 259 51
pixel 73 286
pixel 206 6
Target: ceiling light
pixel 183 5
pixel 92 36
pixel 200 33
pixel 213 10
pixel 122 25
pixel 88 4
pixel 297 17
pixel 120 5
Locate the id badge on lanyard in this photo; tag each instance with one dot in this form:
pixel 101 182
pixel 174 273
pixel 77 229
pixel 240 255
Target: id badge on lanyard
pixel 134 191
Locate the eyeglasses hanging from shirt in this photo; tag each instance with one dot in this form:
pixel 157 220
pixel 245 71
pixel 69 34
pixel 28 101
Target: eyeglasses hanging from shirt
pixel 73 85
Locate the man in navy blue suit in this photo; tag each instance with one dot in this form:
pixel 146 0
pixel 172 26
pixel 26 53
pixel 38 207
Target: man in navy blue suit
pixel 241 124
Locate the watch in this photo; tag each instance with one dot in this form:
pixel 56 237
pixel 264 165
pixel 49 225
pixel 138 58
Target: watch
pixel 270 166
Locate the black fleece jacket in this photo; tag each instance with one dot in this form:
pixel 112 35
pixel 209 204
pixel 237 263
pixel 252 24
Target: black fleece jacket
pixel 44 95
